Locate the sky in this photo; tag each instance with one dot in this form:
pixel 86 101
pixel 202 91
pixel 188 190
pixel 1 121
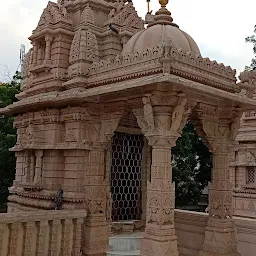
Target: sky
pixel 219 27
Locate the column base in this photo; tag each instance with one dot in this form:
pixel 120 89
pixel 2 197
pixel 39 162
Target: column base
pixel 95 237
pixel 159 246
pixel 220 239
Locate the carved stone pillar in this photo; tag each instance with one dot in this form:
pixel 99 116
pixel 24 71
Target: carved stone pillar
pixel 32 168
pixel 95 228
pixel 160 238
pixel 35 50
pixel 220 233
pixel 220 132
pixel 38 166
pixel 161 119
pixel 48 40
pixel 95 233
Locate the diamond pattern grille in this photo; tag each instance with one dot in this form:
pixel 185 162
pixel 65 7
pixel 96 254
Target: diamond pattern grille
pixel 126 176
pixel 250 175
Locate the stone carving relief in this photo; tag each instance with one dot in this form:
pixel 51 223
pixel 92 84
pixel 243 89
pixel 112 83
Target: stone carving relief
pixel 178 115
pixel 148 112
pixel 70 136
pixel 84 50
pixel 62 9
pixel 166 59
pixel 160 210
pixel 117 7
pixel 53 13
pixel 250 156
pixel 108 125
pixel 125 15
pixel 96 206
pixel 153 59
pixel 87 15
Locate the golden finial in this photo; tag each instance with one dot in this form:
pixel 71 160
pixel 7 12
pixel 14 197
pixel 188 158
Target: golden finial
pixel 163 3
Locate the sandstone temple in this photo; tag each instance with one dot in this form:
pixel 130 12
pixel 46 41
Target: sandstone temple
pixel 104 97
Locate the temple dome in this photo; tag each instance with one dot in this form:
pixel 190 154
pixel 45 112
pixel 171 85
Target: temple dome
pixel 155 35
pixel 161 28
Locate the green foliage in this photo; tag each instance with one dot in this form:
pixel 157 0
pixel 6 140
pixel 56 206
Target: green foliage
pixel 7 138
pixel 252 40
pixel 192 164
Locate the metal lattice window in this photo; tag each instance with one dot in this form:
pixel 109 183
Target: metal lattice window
pixel 126 176
pixel 250 175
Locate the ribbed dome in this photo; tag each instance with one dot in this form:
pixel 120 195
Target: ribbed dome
pixel 161 28
pixel 155 35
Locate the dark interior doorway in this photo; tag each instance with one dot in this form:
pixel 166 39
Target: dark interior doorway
pixel 126 173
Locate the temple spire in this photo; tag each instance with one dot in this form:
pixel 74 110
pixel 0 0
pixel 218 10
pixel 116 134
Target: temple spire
pixel 163 16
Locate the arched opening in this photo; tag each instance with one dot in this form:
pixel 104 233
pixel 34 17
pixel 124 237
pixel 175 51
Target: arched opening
pixel 191 164
pixel 128 171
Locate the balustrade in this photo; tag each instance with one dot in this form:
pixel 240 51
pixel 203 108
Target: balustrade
pixel 41 233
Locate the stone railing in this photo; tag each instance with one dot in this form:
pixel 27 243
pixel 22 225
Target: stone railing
pixel 151 61
pixel 190 230
pixel 49 233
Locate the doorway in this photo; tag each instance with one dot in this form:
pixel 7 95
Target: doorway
pixel 126 176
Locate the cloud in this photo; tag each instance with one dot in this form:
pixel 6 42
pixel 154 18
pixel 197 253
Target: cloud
pixel 219 27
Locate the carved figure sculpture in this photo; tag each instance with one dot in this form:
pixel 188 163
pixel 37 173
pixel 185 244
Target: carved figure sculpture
pixel 62 8
pixel 58 200
pixel 177 115
pixel 118 6
pixel 148 112
pixel 167 45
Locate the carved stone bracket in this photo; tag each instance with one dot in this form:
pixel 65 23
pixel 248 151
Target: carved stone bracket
pixel 162 117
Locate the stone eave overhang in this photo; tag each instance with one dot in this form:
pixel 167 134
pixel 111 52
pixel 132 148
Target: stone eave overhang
pixel 77 96
pixel 51 31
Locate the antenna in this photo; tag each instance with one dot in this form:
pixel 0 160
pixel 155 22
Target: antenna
pixel 22 53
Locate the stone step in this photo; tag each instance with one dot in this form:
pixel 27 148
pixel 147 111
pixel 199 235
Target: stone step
pixel 122 253
pixel 125 242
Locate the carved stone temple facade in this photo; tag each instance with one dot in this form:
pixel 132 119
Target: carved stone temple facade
pixel 103 100
pixel 244 162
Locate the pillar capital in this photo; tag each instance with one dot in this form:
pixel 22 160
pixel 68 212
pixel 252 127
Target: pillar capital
pixel 48 38
pixel 218 126
pixel 158 142
pixel 162 117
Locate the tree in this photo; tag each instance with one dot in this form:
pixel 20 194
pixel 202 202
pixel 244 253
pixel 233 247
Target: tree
pixel 192 164
pixel 7 138
pixel 252 40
